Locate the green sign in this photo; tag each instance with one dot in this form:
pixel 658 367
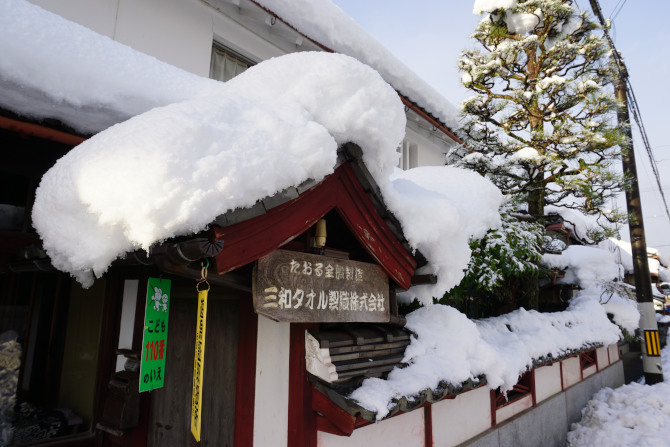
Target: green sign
pixel 154 343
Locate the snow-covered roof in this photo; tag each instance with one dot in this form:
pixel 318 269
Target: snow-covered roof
pixel 339 32
pixel 207 147
pixel 451 349
pixel 213 147
pixel 129 85
pixel 53 68
pixel 584 266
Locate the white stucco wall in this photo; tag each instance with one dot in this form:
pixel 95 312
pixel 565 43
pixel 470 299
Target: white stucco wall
pixel 572 371
pixel 179 32
pixel 272 377
pixel 430 149
pixel 405 430
pixel 457 420
pixel 547 381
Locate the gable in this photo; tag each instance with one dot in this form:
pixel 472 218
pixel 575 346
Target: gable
pixel 246 241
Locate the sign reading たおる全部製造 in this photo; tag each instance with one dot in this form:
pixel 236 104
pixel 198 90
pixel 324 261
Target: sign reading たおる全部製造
pixel 301 287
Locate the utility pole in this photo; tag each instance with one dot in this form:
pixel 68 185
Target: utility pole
pixel 651 348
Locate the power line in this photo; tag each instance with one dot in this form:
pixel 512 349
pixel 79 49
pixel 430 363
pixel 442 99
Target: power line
pixel 633 106
pixel 614 14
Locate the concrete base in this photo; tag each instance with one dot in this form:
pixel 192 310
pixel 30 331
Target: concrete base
pixel 548 423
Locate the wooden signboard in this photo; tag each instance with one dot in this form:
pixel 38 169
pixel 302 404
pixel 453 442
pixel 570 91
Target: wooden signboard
pixel 301 287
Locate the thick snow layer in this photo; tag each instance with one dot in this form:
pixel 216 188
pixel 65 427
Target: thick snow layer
pixel 631 415
pixel 623 252
pixel 521 23
pixel 579 223
pixel 526 154
pixel 617 299
pixel 441 208
pixel 214 147
pixel 54 68
pixel 482 6
pixel 341 33
pixel 172 170
pixel 584 266
pixel 449 347
pixel 43 68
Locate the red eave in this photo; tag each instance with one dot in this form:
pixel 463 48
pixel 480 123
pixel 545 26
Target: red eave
pixel 247 241
pixel 39 131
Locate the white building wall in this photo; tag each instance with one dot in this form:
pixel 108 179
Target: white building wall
pixel 178 32
pixel 98 15
pixel 431 148
pixel 405 430
pixel 181 32
pixel 457 420
pixel 547 381
pixel 272 378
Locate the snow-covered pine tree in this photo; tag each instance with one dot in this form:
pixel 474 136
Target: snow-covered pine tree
pixel 540 124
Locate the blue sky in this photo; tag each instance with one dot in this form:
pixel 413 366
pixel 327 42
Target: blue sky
pixel 428 35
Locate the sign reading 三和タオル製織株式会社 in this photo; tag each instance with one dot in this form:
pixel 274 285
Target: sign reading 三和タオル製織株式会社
pixel 301 287
pixel 154 343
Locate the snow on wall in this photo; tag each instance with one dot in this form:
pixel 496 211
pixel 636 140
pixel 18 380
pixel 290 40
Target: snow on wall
pixel 448 347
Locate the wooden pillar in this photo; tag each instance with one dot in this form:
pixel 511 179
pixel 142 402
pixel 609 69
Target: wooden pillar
pixel 301 417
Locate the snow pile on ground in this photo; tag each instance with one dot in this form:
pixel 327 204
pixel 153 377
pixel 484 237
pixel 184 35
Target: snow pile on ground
pixel 170 171
pixel 339 32
pixel 631 415
pixel 584 266
pixel 54 68
pixel 448 347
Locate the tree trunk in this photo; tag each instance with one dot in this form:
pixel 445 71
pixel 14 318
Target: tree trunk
pixel 528 293
pixel 536 201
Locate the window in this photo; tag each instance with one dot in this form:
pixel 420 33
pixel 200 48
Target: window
pixel 408 155
pixel 226 64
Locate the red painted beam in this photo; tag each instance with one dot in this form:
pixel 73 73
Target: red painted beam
pixel 333 414
pixel 245 386
pixel 302 420
pixel 36 130
pixel 247 241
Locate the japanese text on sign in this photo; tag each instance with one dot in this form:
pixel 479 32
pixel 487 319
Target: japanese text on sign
pixel 154 343
pixel 291 286
pixel 198 365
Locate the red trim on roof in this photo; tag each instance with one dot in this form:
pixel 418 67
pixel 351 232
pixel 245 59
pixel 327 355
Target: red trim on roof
pixel 247 241
pixel 245 380
pixel 430 119
pixel 39 131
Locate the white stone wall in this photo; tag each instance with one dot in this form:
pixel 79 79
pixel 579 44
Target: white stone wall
pixel 272 381
pixel 405 430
